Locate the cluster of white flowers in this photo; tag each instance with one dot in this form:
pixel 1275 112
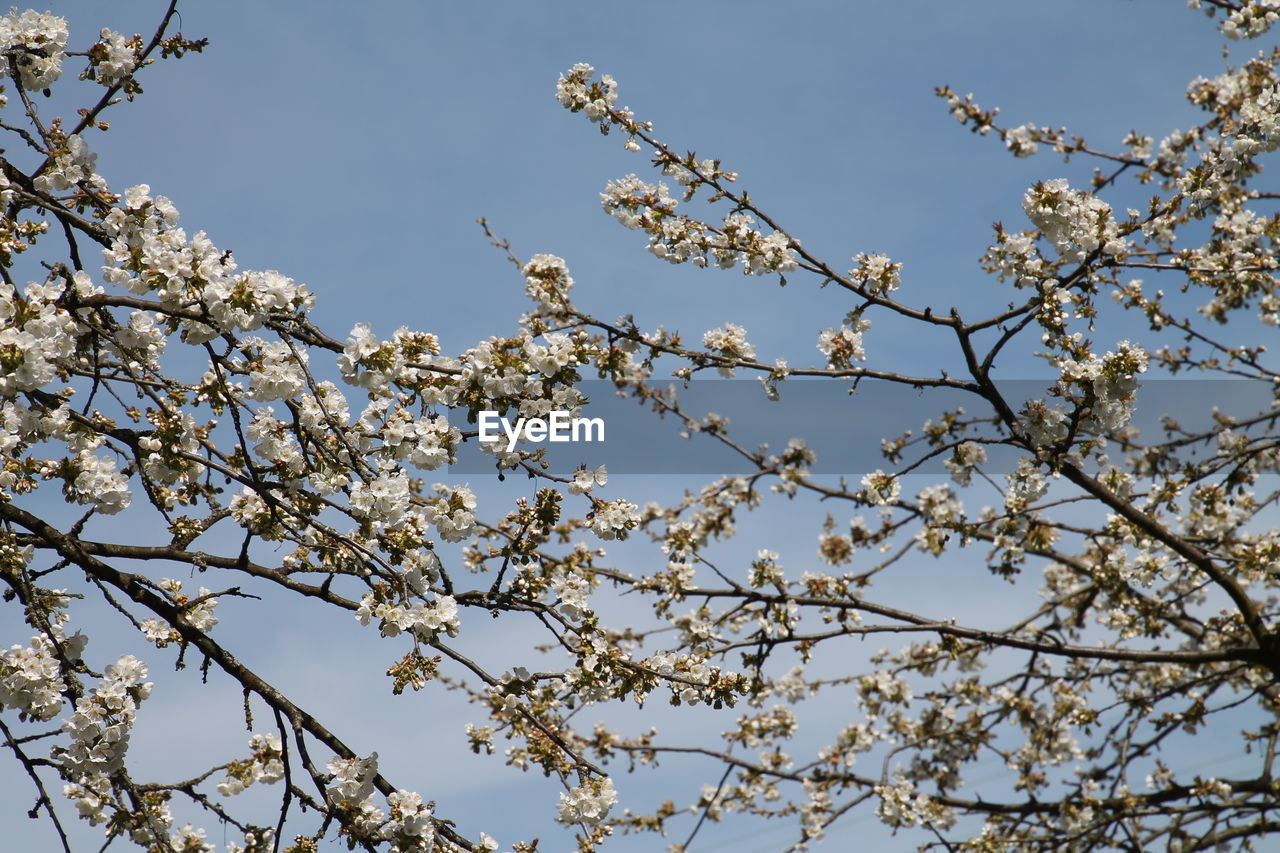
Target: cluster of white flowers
pixel 351 782
pixel 577 93
pixel 498 367
pixel 351 791
pixel 1015 258
pixel 317 414
pixel 31 678
pixel 1074 221
pixel 697 632
pixel 1213 511
pixel 112 58
pixel 876 273
pixel 759 254
pixel 1020 140
pixel 679 576
pixel 99 731
pixel 384 499
pixel 1247 20
pixel 681 540
pixel 20 427
pixel 547 281
pixel 407 824
pixel 1261 115
pixel 407 359
pixel 1225 162
pixel 765 569
pixel 142 342
pixel 939 504
pixel 424 619
pixel 199 616
pixel 964 459
pixel 246 301
pixel 1249 91
pixel 843 346
pixel 815 812
pixel 277 371
pixel 755 731
pixel 38 43
pixel 72 164
pixel 452 511
pixel 585 479
pixel 555 353
pixel 883 688
pixel 184 839
pixel 777 620
pixel 159 632
pixel 677 238
pixel 276 442
pixel 1050 740
pixel 854 739
pixel 941 510
pixel 36 335
pixel 636 203
pixel 614 519
pixel 149 254
pixel 410 827
pixel 587 803
pixel 1111 381
pixel 1140 146
pixel 1027 483
pixel 1041 424
pixel 792 465
pixel 571 590
pixel 731 343
pixel 253 513
pixel 99 484
pixel 266 766
pixel 901 805
pixel 426 442
pixel 879 488
pixel 419 569
pixel 363 359
pixel 738 242
pixel 696 170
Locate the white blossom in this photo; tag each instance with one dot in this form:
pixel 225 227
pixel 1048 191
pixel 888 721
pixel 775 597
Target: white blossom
pixel 588 803
pixel 38 42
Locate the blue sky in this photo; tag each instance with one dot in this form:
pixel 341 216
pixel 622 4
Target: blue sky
pixel 352 148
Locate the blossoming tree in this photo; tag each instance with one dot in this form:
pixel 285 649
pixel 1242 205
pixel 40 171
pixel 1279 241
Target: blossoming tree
pixel 146 373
